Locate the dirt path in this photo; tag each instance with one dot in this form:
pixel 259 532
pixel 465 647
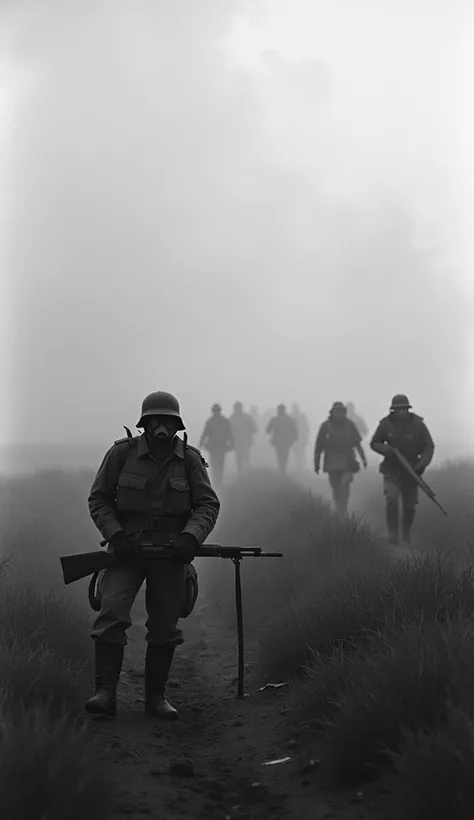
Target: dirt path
pixel 209 763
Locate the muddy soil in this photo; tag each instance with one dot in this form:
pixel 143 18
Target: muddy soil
pixel 209 763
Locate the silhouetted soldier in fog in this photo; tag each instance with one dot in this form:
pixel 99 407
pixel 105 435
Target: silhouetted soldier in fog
pixel 255 413
pixel 337 438
pixel 218 440
pixel 152 487
pixel 260 443
pixel 303 435
pixel 284 433
pixel 407 433
pixel 358 420
pixel 244 429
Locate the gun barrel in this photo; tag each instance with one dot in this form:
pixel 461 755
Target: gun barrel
pixel 210 551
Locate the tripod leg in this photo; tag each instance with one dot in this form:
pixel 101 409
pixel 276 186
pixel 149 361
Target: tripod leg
pixel 240 628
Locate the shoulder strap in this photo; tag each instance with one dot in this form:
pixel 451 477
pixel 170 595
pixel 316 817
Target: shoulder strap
pixel 131 440
pixel 128 437
pixel 188 447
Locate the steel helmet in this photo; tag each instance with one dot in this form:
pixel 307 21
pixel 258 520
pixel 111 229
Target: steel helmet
pixel 160 404
pixel 399 401
pixel 338 405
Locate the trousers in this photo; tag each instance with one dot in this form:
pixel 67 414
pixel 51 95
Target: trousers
pixel 282 454
pixel 242 457
pixel 340 481
pixel 217 459
pixel 165 592
pixel 395 488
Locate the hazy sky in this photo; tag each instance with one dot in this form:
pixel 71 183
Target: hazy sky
pixel 264 201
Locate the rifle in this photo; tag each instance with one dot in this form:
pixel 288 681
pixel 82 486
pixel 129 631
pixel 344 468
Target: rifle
pixel 83 564
pixel 419 480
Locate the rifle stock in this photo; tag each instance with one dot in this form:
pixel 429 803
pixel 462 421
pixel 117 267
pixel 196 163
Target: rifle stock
pixel 83 564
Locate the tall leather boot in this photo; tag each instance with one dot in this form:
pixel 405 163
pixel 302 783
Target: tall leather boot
pixel 157 666
pixel 391 517
pixel 408 518
pixel 108 665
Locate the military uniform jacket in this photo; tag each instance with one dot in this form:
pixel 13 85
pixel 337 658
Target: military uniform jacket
pixel 410 437
pixel 337 441
pixel 283 431
pixel 217 435
pixel 135 493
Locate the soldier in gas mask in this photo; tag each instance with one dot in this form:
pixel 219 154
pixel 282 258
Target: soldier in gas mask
pixel 154 488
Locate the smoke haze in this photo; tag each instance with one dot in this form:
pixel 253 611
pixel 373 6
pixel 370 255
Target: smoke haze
pixel 261 202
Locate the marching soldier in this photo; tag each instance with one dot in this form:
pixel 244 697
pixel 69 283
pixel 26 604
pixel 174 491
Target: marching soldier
pixel 337 438
pixel 407 433
pixel 303 434
pixel 358 420
pixel 284 433
pixel 151 487
pixel 244 429
pixel 218 440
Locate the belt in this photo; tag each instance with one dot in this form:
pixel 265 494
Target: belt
pixel 158 522
pixel 155 523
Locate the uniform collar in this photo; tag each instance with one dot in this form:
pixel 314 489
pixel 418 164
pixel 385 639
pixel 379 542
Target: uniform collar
pixel 143 448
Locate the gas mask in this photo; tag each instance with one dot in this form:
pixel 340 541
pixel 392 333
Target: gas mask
pixel 160 432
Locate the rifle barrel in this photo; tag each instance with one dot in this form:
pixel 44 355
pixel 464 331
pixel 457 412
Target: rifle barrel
pixel 216 551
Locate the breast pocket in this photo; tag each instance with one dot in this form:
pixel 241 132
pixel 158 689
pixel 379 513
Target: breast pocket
pixel 132 494
pixel 178 497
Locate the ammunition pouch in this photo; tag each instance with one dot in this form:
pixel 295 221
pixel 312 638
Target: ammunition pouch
pixel 191 591
pixel 93 595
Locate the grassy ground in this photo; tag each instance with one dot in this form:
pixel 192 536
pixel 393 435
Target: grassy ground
pixel 48 766
pixel 434 770
pixel 453 484
pixel 278 514
pixel 380 654
pixel 43 516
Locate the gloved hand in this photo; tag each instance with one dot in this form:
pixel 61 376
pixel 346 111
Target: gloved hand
pixel 123 545
pixel 387 450
pixel 419 468
pixel 185 547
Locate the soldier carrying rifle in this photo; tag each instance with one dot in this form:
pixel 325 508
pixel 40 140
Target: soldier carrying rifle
pixel 404 439
pixel 152 488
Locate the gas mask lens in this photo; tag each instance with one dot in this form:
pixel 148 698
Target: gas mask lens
pixel 161 427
